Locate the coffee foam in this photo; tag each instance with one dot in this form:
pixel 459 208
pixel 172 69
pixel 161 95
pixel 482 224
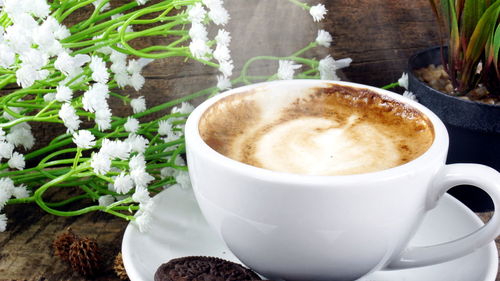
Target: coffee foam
pixel 337 130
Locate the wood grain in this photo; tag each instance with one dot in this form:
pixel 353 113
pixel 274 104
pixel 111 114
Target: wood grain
pixel 379 35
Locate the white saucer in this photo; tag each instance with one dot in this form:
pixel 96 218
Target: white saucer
pixel 179 230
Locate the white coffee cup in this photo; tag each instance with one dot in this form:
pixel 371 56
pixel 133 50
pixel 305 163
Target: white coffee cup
pixel 299 227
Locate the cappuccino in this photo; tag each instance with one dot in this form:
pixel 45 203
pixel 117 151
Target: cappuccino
pixel 331 130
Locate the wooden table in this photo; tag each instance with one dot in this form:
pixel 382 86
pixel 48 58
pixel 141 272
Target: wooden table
pixel 379 35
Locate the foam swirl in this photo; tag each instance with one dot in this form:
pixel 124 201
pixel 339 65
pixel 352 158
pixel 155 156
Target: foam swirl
pixel 319 146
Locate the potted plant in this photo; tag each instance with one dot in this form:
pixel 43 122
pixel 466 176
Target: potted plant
pixel 464 90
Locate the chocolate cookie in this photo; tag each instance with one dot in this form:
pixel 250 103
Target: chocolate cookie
pixel 203 269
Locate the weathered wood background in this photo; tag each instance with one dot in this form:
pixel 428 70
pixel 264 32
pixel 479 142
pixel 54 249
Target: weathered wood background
pixel 379 35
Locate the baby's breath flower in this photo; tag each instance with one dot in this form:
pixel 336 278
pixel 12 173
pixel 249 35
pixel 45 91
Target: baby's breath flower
pixel 69 117
pixel 19 39
pixel 20 192
pixel 135 66
pixel 84 139
pixel 199 48
pixel 138 104
pixel 184 108
pixel 218 14
pixel 106 200
pixel 95 97
pixel 69 65
pixel 328 67
pixel 226 68
pixel 21 135
pixel 24 20
pixel 63 94
pixel 7 56
pixel 182 178
pixel 179 161
pixel 324 38
pixel 137 143
pixel 119 67
pixel 7 185
pixel 122 79
pixel 141 177
pixel 136 80
pixel 403 81
pixel 26 75
pixel 117 57
pixel 143 220
pixel 410 95
pixel 141 195
pixel 172 136
pixel 6 149
pixel 17 161
pixel 115 149
pixel 58 30
pixel 222 53
pixel 5 193
pixel 167 172
pixel 103 118
pixel 123 183
pixel 198 31
pixel 137 162
pixel 34 58
pixel 101 163
pixel 223 83
pixel 223 37
pixel 48 97
pixel 132 125
pixel 39 8
pixel 196 13
pixel 164 127
pixel 3 222
pixel 99 71
pixel 318 12
pixel 286 69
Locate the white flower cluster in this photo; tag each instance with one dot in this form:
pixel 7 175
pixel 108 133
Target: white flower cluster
pixel 33 38
pixel 403 82
pixel 41 43
pixel 199 46
pixel 30 47
pixel 327 66
pixel 318 12
pixel 7 191
pixel 19 135
pixel 131 149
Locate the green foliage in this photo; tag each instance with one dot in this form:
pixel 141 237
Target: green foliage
pixel 473 31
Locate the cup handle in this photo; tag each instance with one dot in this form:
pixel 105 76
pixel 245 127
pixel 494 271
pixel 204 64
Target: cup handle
pixel 449 176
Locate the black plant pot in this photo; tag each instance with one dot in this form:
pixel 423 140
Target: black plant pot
pixel 474 127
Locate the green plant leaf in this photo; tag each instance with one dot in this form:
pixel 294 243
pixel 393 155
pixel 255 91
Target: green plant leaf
pixel 459 7
pixel 485 27
pixel 473 9
pixel 496 50
pixel 445 11
pixel 454 53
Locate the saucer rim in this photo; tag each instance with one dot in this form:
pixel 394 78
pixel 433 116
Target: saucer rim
pixel 134 274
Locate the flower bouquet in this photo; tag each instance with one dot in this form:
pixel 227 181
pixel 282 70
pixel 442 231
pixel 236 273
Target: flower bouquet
pixel 65 76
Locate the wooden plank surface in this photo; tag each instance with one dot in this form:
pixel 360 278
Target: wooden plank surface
pixel 379 35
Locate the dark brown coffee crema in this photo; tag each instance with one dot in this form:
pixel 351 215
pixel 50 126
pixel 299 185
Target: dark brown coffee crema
pixel 337 130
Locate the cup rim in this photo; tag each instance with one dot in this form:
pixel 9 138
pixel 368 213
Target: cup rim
pixel 436 150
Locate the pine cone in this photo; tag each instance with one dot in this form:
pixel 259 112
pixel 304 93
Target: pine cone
pixel 62 244
pixel 84 257
pixel 119 267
